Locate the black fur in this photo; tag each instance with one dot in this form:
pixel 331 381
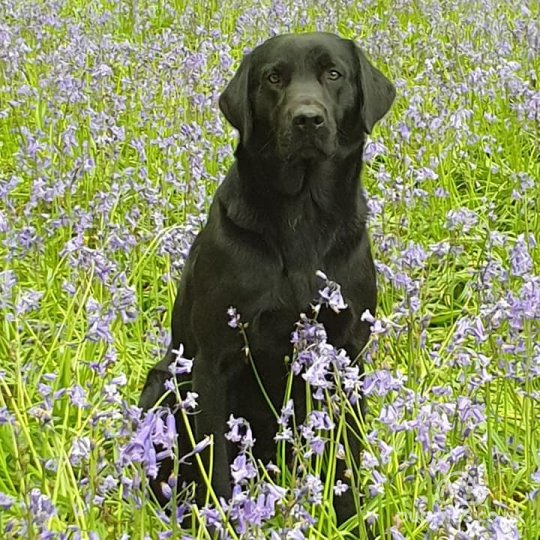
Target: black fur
pixel 290 205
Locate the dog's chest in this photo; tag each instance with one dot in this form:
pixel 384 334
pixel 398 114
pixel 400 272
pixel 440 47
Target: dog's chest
pixel 304 233
pixel 302 245
pixel 282 301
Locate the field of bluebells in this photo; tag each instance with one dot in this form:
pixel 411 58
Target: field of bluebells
pixel 111 146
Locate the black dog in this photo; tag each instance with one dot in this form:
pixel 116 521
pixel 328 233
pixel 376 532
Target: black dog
pixel 290 205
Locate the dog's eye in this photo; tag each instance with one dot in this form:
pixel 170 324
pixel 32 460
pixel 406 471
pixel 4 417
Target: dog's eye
pixel 333 75
pixel 274 78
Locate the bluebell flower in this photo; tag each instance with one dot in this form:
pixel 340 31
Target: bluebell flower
pixel 157 428
pixel 330 295
pixel 6 502
pixel 242 469
pixel 234 317
pixel 521 263
pixel 504 528
pixel 80 450
pixel 240 432
pixel 180 365
pixel 340 488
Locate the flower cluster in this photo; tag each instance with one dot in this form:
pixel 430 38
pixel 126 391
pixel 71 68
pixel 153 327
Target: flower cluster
pixel 111 147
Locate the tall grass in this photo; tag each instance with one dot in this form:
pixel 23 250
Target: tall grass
pixel 111 146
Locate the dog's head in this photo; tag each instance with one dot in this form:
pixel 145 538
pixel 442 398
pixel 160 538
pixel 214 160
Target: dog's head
pixel 305 96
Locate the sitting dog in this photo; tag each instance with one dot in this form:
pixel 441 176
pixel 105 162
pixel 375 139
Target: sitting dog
pixel 290 205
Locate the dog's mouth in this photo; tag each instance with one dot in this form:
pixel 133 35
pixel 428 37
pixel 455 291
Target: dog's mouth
pixel 311 151
pixel 306 148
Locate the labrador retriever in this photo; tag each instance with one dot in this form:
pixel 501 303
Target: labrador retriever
pixel 290 205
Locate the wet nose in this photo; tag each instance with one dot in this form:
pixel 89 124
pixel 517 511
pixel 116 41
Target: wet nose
pixel 308 118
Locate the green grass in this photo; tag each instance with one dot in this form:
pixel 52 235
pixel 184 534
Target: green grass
pixel 129 209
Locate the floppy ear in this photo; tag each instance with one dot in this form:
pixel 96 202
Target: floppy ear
pixel 377 91
pixel 234 101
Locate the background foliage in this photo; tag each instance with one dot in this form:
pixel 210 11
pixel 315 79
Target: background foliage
pixel 111 146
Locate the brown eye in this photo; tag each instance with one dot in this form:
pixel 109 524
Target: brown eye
pixel 333 75
pixel 274 78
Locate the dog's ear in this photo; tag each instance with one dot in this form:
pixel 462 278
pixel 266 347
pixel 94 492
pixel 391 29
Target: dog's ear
pixel 234 101
pixel 378 92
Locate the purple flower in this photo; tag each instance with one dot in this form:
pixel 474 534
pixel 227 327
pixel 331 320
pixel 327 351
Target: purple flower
pixel 124 301
pixel 80 451
pixel 99 323
pixel 240 432
pixel 180 365
pixel 294 534
pixel 189 403
pixel 316 445
pixel 340 488
pixel 374 149
pixel 8 280
pixel 377 485
pixel 320 420
pixel 42 412
pixel 369 461
pixel 308 332
pixel 378 326
pixel 436 519
pixel 458 120
pixel 158 427
pixel 109 483
pixel 386 451
pixel 404 131
pixel 6 417
pixel 425 173
pixel 318 369
pixel 252 511
pixel 29 301
pixel 458 453
pixel 470 326
pixel 413 257
pixel 441 193
pixel 503 528
pixel 242 469
pixel 470 489
pixel 396 535
pixel 323 366
pixel 285 434
pixel 181 510
pixel 211 516
pixel 381 382
pixel 432 425
pixel 521 263
pixel 287 412
pixel 234 317
pixel 330 295
pixel 197 449
pixel 462 219
pixel 311 489
pixel 40 507
pixel 469 413
pixel 77 396
pixel 6 502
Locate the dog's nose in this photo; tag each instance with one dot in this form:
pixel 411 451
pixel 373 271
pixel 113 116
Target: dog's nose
pixel 308 117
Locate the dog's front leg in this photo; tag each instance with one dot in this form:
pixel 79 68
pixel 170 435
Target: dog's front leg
pixel 212 385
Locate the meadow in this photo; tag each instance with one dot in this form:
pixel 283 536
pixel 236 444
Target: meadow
pixel 111 146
